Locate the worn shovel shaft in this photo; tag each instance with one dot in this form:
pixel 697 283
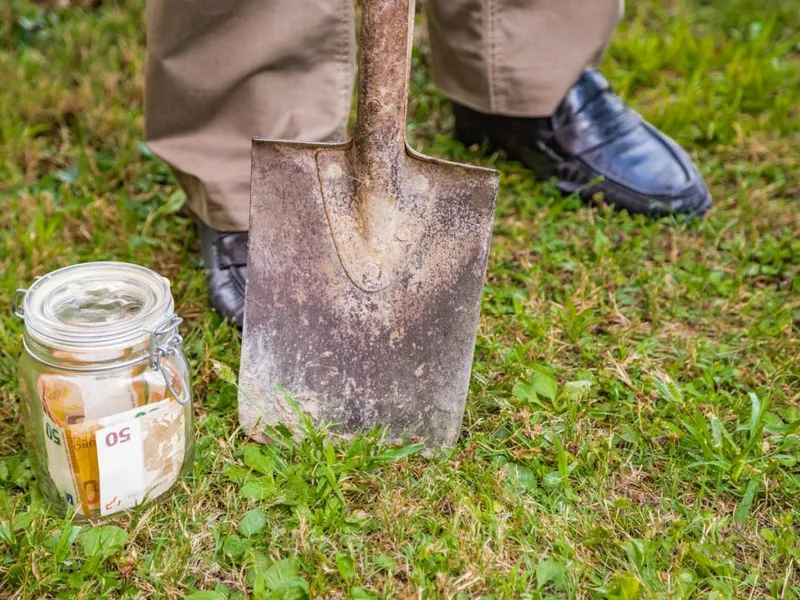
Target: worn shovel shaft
pixel 366 265
pixel 379 139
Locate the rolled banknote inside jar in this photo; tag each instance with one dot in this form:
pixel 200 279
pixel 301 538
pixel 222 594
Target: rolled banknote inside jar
pixel 77 407
pixel 106 387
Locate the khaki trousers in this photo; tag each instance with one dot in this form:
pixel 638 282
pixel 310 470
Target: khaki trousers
pixel 220 72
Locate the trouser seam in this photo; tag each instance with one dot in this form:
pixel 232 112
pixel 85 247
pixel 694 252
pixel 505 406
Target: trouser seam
pixel 489 16
pixel 345 76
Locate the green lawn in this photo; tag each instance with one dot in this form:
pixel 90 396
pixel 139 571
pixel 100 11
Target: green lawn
pixel 633 424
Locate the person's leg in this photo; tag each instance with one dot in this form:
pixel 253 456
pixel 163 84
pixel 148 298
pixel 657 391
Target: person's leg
pixel 521 77
pixel 516 57
pixel 220 72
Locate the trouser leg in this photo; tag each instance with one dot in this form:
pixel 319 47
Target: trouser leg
pixel 220 72
pixel 516 57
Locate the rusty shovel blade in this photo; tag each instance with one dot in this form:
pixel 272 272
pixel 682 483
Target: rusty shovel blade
pixel 366 264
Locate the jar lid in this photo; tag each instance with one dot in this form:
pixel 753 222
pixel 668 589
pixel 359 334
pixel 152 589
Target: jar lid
pixel 96 304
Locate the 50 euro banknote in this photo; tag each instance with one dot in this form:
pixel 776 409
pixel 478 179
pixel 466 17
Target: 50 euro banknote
pixel 140 459
pixel 73 454
pixel 73 399
pixel 117 462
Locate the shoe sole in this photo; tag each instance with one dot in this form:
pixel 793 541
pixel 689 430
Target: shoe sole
pixel 586 193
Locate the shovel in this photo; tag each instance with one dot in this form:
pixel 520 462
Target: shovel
pixel 366 264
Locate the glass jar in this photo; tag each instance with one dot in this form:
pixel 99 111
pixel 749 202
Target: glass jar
pixel 106 391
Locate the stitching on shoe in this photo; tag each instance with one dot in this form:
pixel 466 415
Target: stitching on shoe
pixel 627 189
pixel 690 185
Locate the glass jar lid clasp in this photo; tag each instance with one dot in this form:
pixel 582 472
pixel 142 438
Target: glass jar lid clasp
pixel 166 341
pixel 16 304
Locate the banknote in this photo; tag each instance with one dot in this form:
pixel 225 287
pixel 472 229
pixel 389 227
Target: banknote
pixel 82 450
pixel 77 406
pixel 58 464
pixel 140 458
pixel 61 396
pixel 72 399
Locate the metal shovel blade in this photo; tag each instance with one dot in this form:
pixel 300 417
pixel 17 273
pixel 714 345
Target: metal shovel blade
pixel 366 264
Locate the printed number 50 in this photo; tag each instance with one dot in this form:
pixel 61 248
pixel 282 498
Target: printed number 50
pixel 124 436
pixel 52 434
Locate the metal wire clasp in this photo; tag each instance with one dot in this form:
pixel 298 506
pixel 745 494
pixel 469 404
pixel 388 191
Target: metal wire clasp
pixel 166 341
pixel 16 303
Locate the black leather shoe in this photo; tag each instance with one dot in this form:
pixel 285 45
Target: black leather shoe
pixel 592 135
pixel 225 257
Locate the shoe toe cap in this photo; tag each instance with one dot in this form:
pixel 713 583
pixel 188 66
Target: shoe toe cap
pixel 649 172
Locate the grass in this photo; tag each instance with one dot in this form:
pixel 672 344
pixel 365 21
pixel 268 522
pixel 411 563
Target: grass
pixel 633 424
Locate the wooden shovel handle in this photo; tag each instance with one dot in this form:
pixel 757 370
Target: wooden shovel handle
pixel 384 64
